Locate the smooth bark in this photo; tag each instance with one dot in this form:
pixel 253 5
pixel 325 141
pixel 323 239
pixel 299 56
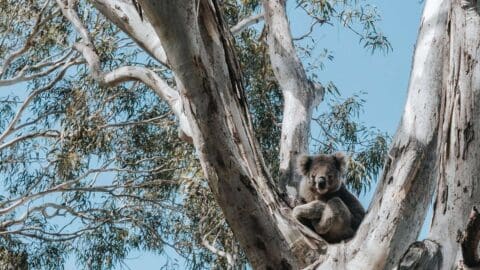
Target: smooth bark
pixel 300 95
pixel 124 15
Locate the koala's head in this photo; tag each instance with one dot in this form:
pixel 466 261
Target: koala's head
pixel 323 173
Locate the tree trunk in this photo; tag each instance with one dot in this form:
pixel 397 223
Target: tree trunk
pixel 436 132
pixel 405 188
pixel 459 153
pixel 201 54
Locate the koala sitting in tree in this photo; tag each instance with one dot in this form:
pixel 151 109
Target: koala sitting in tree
pixel 329 208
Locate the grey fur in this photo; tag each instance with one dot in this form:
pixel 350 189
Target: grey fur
pixel 329 208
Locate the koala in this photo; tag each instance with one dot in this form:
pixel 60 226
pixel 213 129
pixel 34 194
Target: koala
pixel 329 208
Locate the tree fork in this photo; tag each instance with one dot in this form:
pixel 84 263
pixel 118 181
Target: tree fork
pixel 200 52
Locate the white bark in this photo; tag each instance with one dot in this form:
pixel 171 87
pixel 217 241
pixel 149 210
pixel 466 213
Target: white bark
pixel 124 15
pixel 200 52
pixel 404 191
pixel 458 187
pixel 437 132
pixel 245 23
pixel 300 95
pixel 127 73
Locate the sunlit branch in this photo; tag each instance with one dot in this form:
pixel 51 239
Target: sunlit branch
pixel 247 22
pixel 68 186
pixel 141 31
pixel 126 73
pixel 43 134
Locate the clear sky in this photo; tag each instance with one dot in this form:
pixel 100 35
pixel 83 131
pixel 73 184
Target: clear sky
pixel 383 77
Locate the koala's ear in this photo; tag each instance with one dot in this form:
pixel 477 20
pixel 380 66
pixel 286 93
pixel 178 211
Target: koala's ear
pixel 340 161
pixel 304 164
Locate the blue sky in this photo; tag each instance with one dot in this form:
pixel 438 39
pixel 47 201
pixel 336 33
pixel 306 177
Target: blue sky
pixel 384 78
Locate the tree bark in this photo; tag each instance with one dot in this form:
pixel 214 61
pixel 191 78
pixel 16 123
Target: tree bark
pixel 436 132
pixel 124 15
pixel 201 54
pixel 459 161
pixel 421 255
pixel 405 188
pixel 470 239
pixel 300 95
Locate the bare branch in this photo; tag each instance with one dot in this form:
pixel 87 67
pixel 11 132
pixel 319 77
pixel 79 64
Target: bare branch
pixel 309 32
pixel 126 73
pixel 44 134
pixel 69 186
pixel 301 96
pixel 124 15
pixel 247 22
pixel 221 253
pixel 21 76
pixel 67 7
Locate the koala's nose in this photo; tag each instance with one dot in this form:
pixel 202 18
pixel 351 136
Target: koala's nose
pixel 322 182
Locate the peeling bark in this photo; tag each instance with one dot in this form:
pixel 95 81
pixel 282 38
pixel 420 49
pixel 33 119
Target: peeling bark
pixel 459 161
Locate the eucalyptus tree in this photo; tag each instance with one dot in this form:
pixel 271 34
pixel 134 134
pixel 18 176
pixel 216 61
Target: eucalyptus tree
pixel 146 125
pixel 434 149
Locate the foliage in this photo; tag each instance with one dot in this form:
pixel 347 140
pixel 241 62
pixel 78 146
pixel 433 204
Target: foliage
pixel 356 15
pixel 100 171
pixel 340 130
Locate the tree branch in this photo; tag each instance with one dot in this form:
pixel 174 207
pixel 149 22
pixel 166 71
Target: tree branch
pixel 247 22
pixel 219 252
pixel 21 76
pixel 43 134
pixel 12 125
pixel 300 95
pixel 123 74
pixel 124 15
pixel 201 53
pixel 28 43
